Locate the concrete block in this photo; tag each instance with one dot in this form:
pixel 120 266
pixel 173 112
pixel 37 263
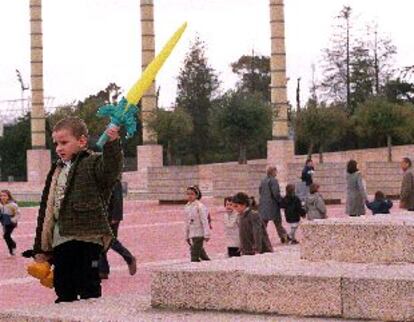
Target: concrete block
pixel 390 299
pixel 379 239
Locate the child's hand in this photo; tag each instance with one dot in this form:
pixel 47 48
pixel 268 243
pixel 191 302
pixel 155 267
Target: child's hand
pixel 113 133
pixel 41 258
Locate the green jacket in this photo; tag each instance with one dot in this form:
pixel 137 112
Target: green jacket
pixel 83 211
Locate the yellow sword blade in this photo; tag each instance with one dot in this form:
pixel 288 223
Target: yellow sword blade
pixel 142 85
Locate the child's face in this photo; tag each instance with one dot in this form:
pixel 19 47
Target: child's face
pixel 229 206
pixel 4 198
pixel 67 145
pixel 239 208
pixel 191 195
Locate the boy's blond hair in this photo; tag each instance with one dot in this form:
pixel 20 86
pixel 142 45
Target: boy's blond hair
pixel 74 124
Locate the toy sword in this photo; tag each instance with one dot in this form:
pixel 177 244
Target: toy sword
pixel 125 111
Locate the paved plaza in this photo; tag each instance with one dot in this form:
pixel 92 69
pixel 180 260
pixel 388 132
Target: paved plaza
pixel 155 235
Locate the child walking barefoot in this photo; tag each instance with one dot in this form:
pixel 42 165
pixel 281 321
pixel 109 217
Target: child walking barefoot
pixel 197 226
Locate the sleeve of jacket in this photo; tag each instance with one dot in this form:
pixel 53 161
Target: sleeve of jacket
pixel 41 212
pixel 406 187
pixel 204 220
pixel 389 204
pixel 320 204
pixel 256 223
pixel 361 187
pixel 275 190
pixel 108 167
pixel 115 206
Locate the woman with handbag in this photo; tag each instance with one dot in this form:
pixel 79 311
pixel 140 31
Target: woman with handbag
pixel 9 214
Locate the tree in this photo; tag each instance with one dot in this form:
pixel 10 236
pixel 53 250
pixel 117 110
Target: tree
pixel 355 67
pixel 13 147
pixel 171 127
pixel 337 75
pixel 254 74
pixel 318 126
pixel 384 120
pixel 197 84
pixel 243 119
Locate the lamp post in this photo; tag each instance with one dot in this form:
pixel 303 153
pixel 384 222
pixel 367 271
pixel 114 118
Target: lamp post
pixel 22 86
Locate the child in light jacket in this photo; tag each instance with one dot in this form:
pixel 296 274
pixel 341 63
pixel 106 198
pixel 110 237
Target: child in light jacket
pixel 314 204
pixel 231 228
pixel 9 215
pixel 197 226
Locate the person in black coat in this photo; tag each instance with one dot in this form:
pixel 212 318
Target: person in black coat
pixel 293 211
pixel 380 205
pixel 115 212
pixel 307 172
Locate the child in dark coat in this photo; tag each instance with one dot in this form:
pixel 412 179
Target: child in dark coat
pixel 293 211
pixel 380 205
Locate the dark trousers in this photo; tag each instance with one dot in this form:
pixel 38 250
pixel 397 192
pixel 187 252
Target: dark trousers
pixel 7 231
pixel 279 228
pixel 118 248
pixel 76 271
pixel 233 251
pixel 197 250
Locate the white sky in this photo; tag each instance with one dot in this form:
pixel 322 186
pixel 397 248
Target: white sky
pixel 89 43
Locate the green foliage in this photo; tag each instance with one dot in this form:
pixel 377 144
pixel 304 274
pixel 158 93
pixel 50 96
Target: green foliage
pixel 320 126
pixel 243 119
pixel 197 83
pixel 399 91
pixel 13 147
pixel 171 127
pixel 22 204
pixel 254 74
pixel 380 118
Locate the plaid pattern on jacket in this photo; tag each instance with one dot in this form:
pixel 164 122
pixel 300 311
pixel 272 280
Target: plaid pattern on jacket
pixel 83 211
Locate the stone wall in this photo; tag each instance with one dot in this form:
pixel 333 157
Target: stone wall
pixel 363 156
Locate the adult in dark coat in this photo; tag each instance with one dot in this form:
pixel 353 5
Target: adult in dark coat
pixel 407 186
pixel 269 202
pixel 252 232
pixel 115 213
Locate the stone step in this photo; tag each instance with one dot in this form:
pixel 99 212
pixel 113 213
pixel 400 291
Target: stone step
pixel 131 308
pixel 370 239
pixel 282 283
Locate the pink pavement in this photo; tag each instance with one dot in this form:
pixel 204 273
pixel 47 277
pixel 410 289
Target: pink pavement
pixel 153 233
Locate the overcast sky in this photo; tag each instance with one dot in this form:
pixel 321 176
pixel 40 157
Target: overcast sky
pixel 89 43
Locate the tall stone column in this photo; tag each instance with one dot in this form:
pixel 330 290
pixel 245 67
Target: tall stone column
pixel 280 151
pixel 148 102
pixel 37 111
pixel 278 70
pixel 150 154
pixel 38 159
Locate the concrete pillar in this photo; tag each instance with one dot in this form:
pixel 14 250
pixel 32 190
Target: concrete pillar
pixel 38 159
pixel 148 102
pixel 38 166
pixel 280 151
pixel 38 124
pixel 150 154
pixel 280 129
